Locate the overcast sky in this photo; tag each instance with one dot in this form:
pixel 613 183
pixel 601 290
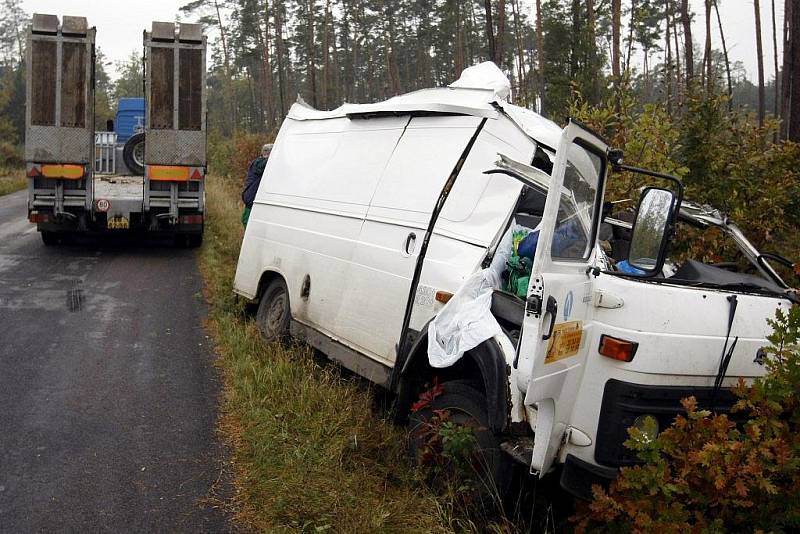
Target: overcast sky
pixel 120 24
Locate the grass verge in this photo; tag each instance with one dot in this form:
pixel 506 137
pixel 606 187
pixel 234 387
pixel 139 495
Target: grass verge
pixel 11 181
pixel 310 450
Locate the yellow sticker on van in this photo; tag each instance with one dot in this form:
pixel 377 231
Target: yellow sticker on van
pixel 565 341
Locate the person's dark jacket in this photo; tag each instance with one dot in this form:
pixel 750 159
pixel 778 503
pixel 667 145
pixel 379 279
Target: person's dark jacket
pixel 253 179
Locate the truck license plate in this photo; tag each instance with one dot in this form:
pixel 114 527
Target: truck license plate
pixel 118 223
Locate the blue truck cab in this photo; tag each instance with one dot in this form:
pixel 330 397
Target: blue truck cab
pixel 130 115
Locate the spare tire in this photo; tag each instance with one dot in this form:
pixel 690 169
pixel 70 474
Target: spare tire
pixel 133 154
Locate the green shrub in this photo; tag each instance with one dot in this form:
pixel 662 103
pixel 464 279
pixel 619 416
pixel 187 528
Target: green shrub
pixel 230 157
pixel 707 474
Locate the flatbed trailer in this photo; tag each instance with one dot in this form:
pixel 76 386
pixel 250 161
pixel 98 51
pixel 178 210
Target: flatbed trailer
pixel 72 190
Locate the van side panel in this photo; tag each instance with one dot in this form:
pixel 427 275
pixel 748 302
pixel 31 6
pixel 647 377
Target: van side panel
pixel 475 214
pixel 478 206
pixel 379 280
pixel 310 207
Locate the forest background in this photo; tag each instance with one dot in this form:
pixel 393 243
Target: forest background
pixel 631 69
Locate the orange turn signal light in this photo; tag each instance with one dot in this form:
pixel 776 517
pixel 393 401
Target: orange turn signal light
pixel 443 296
pixel 617 349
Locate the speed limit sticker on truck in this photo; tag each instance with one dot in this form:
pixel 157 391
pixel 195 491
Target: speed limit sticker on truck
pixel 102 204
pixel 565 341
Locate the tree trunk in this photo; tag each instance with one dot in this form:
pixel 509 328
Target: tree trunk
pixel 490 29
pixel 499 37
pixel 688 53
pixel 459 51
pixel 668 69
pixel 540 50
pixel 786 71
pixel 630 36
pixel 616 21
pixel 280 53
pixel 576 37
pixel 775 64
pixel 267 64
pixel 725 54
pixel 760 60
pixel 594 88
pixel 326 53
pixel 708 75
pixel 793 73
pixel 520 52
pixel 232 116
pixel 678 64
pixel 311 64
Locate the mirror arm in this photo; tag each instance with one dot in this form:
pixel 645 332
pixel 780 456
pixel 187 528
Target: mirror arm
pixel 620 167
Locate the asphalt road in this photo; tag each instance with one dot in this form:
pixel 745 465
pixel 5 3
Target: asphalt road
pixel 108 394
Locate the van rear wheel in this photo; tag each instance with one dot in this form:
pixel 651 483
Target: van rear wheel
pixel 462 404
pixel 273 312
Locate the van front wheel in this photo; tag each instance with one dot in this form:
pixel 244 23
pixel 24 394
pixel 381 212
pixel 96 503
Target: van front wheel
pixel 458 403
pixel 273 312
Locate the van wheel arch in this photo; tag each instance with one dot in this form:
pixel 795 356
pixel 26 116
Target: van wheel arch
pixel 484 366
pixel 266 279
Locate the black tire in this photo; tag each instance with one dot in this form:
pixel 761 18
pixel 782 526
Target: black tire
pixel 133 154
pixel 50 238
pixel 194 240
pixel 274 313
pixel 467 405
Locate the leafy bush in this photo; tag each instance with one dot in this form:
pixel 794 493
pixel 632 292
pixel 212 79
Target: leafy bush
pixel 230 157
pixel 707 474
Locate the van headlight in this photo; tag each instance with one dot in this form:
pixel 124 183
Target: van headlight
pixel 648 425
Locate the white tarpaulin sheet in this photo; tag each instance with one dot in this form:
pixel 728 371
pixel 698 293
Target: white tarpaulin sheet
pixel 485 75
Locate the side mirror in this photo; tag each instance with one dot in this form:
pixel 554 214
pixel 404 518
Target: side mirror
pixel 651 230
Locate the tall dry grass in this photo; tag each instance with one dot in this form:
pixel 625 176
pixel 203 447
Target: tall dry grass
pixel 311 451
pixel 12 180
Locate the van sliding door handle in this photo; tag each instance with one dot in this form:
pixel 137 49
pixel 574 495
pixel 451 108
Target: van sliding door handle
pixel 412 238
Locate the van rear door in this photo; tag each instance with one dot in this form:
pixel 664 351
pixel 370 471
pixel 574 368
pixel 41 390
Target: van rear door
pixel 557 324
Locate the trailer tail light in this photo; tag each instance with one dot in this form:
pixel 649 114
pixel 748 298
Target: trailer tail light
pixel 617 349
pixel 190 219
pixel 36 217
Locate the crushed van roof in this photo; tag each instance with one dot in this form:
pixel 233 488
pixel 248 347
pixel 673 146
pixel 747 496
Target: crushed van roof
pixel 477 102
pixel 462 101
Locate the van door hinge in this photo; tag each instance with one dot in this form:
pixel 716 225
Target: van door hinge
pixel 603 299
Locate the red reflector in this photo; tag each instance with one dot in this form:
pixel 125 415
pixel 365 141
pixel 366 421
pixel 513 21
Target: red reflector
pixel 617 349
pixel 34 172
pixel 38 217
pixel 190 219
pixel 196 175
pixel 444 296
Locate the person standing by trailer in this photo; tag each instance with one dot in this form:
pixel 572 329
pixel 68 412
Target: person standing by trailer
pixel 252 181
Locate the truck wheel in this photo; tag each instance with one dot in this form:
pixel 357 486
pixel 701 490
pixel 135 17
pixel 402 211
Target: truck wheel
pixel 466 406
pixel 133 154
pixel 49 238
pixel 273 312
pixel 194 240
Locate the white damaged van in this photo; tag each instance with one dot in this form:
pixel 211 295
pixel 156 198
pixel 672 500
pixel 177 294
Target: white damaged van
pixel 372 219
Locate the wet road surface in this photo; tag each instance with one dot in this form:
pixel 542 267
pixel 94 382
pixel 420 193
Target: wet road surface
pixel 108 394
